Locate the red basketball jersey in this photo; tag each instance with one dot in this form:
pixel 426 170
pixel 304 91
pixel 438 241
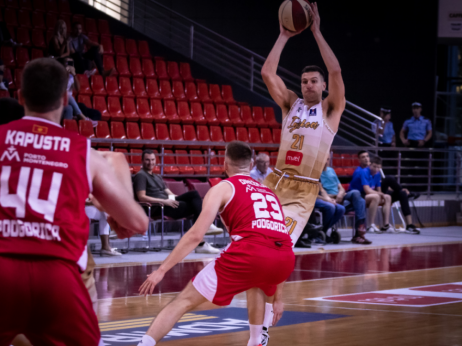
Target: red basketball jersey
pixel 45 179
pixel 254 212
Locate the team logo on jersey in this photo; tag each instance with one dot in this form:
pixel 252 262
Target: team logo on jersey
pixel 312 112
pixel 297 124
pixel 294 158
pixel 41 130
pixel 10 154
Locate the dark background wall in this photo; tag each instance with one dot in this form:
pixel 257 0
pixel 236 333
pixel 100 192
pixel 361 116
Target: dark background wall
pixel 387 50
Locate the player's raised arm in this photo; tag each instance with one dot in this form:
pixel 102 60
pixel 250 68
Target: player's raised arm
pixel 335 102
pixel 215 199
pixel 276 87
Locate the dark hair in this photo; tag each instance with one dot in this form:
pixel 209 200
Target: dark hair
pixel 361 152
pixel 146 152
pixel 314 68
pixel 43 84
pixel 239 153
pixel 11 110
pixel 74 25
pixel 377 160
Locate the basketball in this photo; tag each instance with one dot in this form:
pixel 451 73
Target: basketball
pixel 295 15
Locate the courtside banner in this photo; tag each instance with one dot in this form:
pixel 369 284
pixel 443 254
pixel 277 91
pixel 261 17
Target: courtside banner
pixel 450 19
pixel 198 323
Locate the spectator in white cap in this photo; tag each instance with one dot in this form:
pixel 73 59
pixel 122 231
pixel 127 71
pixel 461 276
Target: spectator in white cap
pixel 417 131
pixel 261 168
pixel 387 136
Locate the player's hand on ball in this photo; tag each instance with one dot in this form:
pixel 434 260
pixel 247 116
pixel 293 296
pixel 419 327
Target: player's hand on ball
pixel 151 282
pixel 287 33
pixel 278 310
pixel 316 20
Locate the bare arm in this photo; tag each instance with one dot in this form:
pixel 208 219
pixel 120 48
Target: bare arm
pixel 142 197
pixel 169 192
pixel 369 191
pixel 335 102
pixel 276 87
pixel 324 196
pixel 215 199
pixel 341 194
pixel 402 136
pixel 429 135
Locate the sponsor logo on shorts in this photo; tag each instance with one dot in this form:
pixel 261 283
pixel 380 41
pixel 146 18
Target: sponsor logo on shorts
pixel 294 158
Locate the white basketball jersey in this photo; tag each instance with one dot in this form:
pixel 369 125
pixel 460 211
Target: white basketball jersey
pixel 305 141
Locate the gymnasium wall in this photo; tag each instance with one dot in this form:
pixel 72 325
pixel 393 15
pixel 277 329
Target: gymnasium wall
pixel 387 51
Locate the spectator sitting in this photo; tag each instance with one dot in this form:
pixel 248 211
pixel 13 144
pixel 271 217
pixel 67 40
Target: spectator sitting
pixel 418 129
pixel 261 169
pixel 366 179
pixel 150 188
pixel 351 200
pixel 72 109
pixel 94 213
pixel 331 211
pixel 58 47
pixel 78 43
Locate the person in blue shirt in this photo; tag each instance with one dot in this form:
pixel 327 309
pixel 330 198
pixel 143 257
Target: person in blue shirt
pixel 261 169
pixel 417 131
pixel 367 180
pixel 330 202
pixel 387 136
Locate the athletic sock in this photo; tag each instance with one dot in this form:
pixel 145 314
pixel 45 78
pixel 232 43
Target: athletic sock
pixel 268 321
pixel 255 334
pixel 146 340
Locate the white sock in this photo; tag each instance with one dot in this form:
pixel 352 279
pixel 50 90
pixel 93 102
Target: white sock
pixel 146 340
pixel 255 334
pixel 268 321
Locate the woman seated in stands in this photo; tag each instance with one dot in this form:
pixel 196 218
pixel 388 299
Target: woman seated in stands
pixel 59 47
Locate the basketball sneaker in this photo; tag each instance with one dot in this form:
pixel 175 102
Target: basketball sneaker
pixel 213 230
pixel 373 229
pixel 411 229
pixel 264 337
pixel 207 248
pixel 387 228
pixel 112 252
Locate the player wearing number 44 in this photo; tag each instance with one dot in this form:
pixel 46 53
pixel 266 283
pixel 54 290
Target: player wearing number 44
pixel 258 260
pixel 309 125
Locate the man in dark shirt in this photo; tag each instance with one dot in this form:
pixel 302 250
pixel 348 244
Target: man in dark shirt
pixel 150 188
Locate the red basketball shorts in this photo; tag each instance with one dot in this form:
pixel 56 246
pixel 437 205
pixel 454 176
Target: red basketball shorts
pixel 46 300
pixel 242 266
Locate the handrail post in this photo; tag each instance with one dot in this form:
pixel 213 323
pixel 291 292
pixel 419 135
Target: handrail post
pixel 399 167
pixel 191 42
pixel 252 62
pixel 162 162
pixel 430 156
pixel 209 152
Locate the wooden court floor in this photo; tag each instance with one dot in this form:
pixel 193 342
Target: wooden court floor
pixel 421 302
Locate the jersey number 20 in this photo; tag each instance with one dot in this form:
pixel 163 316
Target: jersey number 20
pixel 260 206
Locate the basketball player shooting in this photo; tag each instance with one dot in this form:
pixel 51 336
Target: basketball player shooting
pixel 259 258
pixel 309 125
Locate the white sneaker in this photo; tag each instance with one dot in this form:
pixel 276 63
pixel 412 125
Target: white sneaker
pixel 214 230
pixel 113 252
pixel 207 248
pixel 373 229
pixel 388 228
pixel 3 87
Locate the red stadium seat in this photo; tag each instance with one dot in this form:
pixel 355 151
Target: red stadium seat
pixel 86 128
pixel 50 20
pixel 143 48
pixel 142 108
pixel 337 160
pixel 165 90
pixel 161 70
pixel 254 137
pixel 139 88
pixel 234 115
pixel 178 90
pixel 276 136
pixel 10 17
pixel 198 162
pixel 227 94
pixel 118 132
pixel 242 134
pixel 131 47
pixel 17 78
pixel 270 118
pixel 114 109
pixel 214 181
pixel 266 136
pixel 176 134
pixel 133 133
pixel 102 131
pixel 25 4
pixel 184 113
pixel 129 109
pixel 147 133
pixel 103 27
pixel 39 5
pixel 210 114
pixel 106 42
pixel 119 46
pixel 170 167
pixel 6 54
pixel 37 20
pixel 108 63
pixel 51 6
pixel 246 117
pixel 203 93
pixel 216 163
pixel 148 69
pixel 349 171
pixel 203 135
pixel 38 40
pixel 197 114
pixel 174 71
pixel 36 53
pixel 216 135
pixel 189 134
pixel 228 134
pixel 157 111
pixel 94 38
pixel 152 89
pixel 135 68
pixel 221 159
pixel 112 86
pixel 346 186
pixel 122 66
pixel 70 125
pixel 97 85
pixel 273 158
pixel 63 7
pixel 257 113
pixel 340 171
pixel 84 84
pixel 79 18
pixel 125 87
pixel 85 99
pixel 99 103
pixel 170 112
pixel 222 115
pixel 23 37
pixel 182 158
pixel 347 160
pixel 185 71
pixel 90 26
pixel 191 91
pixel 135 159
pixel 11 3
pixel 22 56
pixel 24 18
pixel 162 134
pixel 11 31
pixel 215 94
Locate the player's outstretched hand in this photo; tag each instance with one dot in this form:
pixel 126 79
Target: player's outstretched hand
pixel 278 310
pixel 314 13
pixel 287 33
pixel 151 282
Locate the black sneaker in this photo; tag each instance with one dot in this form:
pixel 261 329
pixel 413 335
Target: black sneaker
pixel 387 228
pixel 264 337
pixel 411 229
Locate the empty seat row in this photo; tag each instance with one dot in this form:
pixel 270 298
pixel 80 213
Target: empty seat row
pixel 60 6
pixel 30 38
pixel 345 160
pixel 344 171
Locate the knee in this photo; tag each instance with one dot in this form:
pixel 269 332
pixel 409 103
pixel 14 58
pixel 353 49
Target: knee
pixel 340 210
pixel 387 199
pixel 355 194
